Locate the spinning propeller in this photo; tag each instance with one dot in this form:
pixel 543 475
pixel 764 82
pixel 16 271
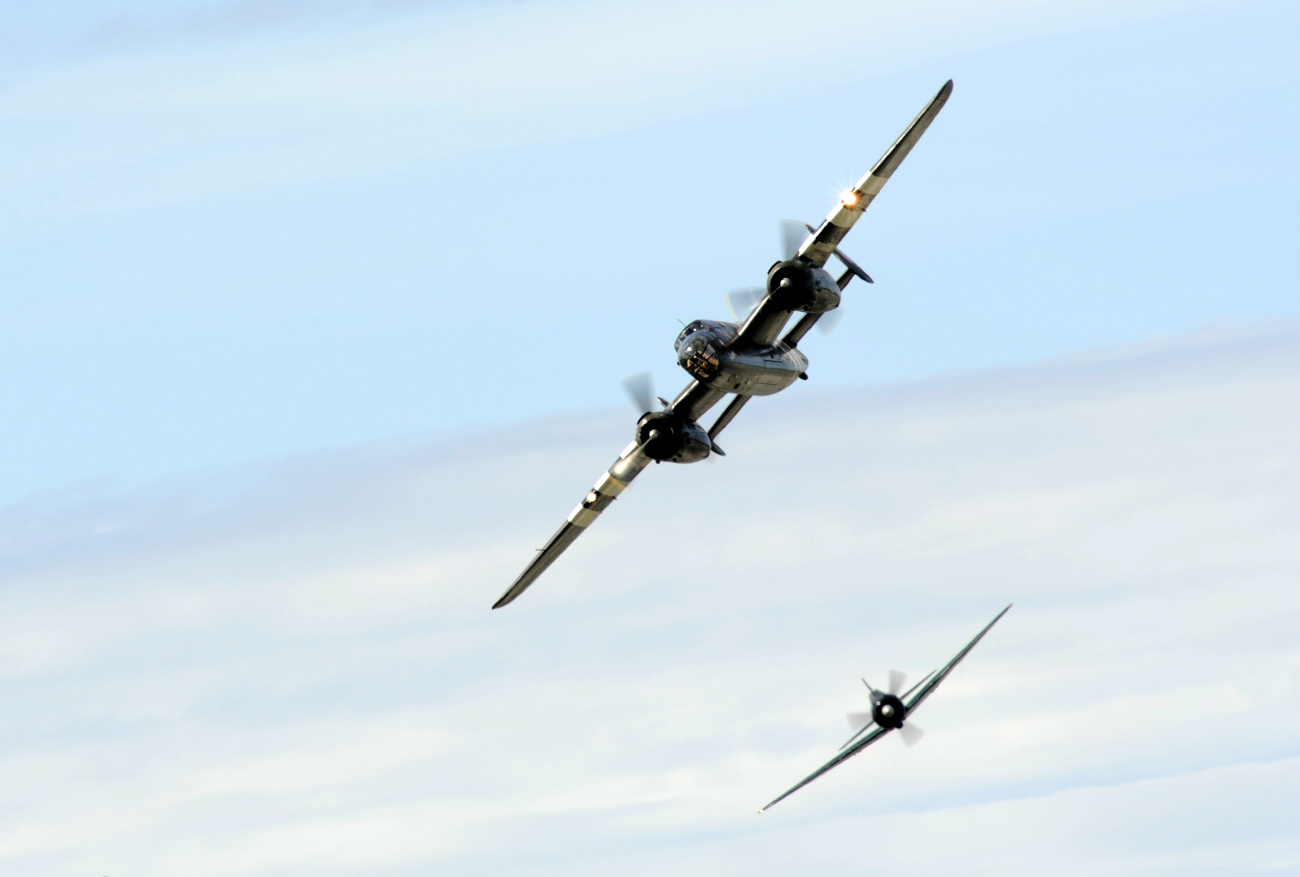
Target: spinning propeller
pixel 890 711
pixel 793 233
pixel 887 710
pixel 741 302
pixel 640 389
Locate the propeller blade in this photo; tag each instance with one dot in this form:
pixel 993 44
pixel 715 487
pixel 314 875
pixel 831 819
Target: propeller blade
pixel 741 301
pixel 640 388
pixel 897 679
pixel 911 734
pixel 793 235
pixel 829 320
pixel 858 721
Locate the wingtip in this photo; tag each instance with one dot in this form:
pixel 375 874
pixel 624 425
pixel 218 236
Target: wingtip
pixel 946 89
pixel 998 617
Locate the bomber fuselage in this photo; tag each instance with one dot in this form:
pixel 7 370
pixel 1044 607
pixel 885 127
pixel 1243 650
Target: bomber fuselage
pixel 744 359
pixel 704 351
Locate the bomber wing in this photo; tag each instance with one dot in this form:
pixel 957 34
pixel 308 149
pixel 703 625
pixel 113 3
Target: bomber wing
pixel 611 484
pixel 694 401
pixel 769 317
pixel 762 326
pixel 821 243
pixel 839 759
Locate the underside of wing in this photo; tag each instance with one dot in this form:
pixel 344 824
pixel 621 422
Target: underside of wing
pixel 563 538
pixel 629 464
pixel 839 759
pixel 923 691
pixel 819 246
pixel 695 400
pixel 728 414
pixel 766 321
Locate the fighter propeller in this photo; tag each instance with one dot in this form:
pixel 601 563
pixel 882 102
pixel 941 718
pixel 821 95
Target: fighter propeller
pixel 889 704
pixel 890 711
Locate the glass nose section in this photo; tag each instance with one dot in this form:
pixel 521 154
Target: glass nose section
pixel 698 357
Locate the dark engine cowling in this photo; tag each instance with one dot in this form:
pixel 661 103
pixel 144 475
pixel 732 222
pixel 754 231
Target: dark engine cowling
pixel 798 286
pixel 668 438
pixel 889 711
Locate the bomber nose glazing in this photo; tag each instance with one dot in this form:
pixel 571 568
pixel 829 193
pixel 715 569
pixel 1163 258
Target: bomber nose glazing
pixel 699 356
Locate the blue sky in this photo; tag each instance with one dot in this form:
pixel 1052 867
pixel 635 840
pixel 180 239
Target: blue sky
pixel 238 230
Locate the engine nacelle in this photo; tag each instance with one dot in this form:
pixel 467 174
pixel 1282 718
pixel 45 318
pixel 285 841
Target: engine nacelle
pixel 798 286
pixel 889 711
pixel 669 438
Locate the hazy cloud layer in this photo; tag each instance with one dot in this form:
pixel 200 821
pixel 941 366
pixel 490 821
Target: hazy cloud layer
pixel 212 100
pixel 294 667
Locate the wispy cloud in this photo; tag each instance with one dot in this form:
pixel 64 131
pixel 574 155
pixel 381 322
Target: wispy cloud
pixel 143 26
pixel 300 670
pixel 260 96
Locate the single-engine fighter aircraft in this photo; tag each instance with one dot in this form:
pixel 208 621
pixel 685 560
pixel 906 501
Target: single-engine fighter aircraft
pixel 889 712
pixel 747 358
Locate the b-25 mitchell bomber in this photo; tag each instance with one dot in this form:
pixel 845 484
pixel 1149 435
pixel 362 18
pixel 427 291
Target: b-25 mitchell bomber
pixel 889 712
pixel 744 359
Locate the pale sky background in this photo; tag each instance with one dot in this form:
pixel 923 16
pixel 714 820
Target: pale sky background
pixel 312 324
pixel 295 670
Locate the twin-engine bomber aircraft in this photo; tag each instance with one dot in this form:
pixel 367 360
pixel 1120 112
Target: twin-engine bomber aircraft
pixel 889 712
pixel 748 358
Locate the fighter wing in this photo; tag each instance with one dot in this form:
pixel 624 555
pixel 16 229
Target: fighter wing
pixel 923 691
pixel 839 759
pixel 821 243
pixel 767 320
pixel 611 484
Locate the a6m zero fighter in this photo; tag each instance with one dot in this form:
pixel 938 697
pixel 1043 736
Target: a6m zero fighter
pixel 890 711
pixel 746 358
